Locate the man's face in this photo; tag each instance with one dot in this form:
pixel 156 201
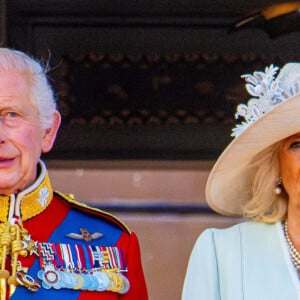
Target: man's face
pixel 22 138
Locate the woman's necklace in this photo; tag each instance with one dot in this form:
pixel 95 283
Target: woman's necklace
pixel 294 253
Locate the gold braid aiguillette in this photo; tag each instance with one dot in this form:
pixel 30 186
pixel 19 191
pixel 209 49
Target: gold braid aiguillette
pixel 15 241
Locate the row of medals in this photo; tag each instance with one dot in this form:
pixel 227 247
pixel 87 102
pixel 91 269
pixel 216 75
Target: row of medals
pixel 97 280
pixel 101 280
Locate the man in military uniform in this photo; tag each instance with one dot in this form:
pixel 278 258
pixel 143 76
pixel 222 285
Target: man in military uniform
pixel 51 246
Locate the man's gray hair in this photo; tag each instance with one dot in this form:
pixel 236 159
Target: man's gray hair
pixel 40 91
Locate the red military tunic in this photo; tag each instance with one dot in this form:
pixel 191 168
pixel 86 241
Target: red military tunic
pixel 56 220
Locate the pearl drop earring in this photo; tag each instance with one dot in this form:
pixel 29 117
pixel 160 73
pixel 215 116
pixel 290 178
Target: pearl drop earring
pixel 278 188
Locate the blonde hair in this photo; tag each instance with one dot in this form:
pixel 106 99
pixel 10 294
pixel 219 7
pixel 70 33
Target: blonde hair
pixel 266 206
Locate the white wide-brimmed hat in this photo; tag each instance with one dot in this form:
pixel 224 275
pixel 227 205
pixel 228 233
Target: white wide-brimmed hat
pixel 270 116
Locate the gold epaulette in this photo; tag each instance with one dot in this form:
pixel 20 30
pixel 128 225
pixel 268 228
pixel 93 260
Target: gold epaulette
pixel 92 210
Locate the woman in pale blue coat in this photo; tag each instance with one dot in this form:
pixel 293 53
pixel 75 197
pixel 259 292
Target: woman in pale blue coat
pixel 258 177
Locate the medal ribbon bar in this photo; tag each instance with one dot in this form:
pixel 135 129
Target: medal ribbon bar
pixel 84 267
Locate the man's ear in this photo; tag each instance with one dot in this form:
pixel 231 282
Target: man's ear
pixel 49 134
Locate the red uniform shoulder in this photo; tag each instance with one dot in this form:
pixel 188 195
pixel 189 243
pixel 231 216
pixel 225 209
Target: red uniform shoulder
pixel 93 211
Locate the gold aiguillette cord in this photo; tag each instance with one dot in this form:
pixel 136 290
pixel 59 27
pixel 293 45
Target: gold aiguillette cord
pixel 16 247
pixel 14 241
pixel 5 241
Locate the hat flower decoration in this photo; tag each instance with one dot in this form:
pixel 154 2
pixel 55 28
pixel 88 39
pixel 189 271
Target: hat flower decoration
pixel 267 91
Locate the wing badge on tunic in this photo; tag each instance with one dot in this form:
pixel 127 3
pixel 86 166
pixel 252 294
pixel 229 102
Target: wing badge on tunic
pixel 85 235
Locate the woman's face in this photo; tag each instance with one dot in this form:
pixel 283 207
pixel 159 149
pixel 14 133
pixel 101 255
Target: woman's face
pixel 289 162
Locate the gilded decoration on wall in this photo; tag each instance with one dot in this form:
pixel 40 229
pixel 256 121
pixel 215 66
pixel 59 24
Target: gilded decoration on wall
pixel 126 90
